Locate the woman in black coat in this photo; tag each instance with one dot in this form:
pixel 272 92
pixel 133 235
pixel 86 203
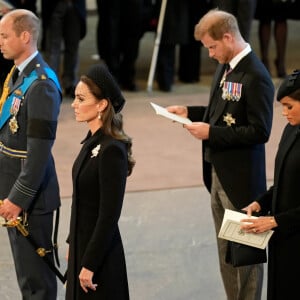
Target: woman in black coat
pixel 96 260
pixel 281 203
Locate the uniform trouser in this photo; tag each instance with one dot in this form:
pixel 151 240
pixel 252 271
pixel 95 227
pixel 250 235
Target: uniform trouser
pixel 189 62
pixel 35 278
pixel 118 36
pixel 241 283
pixel 165 70
pixel 64 29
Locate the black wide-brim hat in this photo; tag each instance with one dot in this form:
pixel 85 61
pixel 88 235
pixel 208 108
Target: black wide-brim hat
pixel 289 85
pixel 101 76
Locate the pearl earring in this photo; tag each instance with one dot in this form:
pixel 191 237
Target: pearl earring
pixel 99 115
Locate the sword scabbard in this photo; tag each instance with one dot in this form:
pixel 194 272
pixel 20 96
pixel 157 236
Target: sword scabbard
pixel 20 224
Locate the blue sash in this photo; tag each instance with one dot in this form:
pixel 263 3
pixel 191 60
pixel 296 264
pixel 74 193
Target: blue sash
pixel 20 91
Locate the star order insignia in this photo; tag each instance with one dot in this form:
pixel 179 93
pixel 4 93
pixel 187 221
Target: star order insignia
pixel 13 125
pixel 229 119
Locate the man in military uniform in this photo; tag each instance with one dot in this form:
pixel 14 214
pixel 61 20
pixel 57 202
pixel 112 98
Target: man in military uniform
pixel 29 108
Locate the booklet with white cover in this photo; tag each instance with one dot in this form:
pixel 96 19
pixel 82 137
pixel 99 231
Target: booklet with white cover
pixel 165 113
pixel 231 230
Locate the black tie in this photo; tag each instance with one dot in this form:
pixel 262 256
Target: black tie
pixel 15 75
pixel 228 70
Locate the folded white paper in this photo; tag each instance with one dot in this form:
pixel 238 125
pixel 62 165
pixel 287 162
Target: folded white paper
pixel 231 230
pixel 5 4
pixel 165 113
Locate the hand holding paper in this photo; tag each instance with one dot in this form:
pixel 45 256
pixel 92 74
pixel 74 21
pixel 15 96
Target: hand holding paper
pixel 5 5
pixel 165 113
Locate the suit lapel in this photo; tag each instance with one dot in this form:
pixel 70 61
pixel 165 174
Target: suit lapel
pixel 214 88
pixel 81 157
pixel 88 144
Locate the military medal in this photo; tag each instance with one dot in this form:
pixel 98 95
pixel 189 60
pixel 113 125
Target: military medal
pixel 13 123
pixel 232 91
pixel 228 119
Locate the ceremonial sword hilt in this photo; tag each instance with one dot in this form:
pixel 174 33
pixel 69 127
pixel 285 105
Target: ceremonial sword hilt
pixel 18 224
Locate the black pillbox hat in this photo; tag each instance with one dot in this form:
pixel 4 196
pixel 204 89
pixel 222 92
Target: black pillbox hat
pixel 289 85
pixel 101 76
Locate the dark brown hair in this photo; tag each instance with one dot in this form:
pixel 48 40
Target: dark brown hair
pixel 216 23
pixel 112 122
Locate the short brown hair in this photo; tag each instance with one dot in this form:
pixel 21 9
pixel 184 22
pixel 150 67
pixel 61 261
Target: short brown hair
pixel 216 23
pixel 25 20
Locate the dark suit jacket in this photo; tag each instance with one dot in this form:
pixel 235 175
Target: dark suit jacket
pixel 94 238
pixel 282 199
pixel 31 183
pixel 237 152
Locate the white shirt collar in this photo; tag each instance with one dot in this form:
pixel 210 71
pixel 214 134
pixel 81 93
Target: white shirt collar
pixel 239 56
pixel 23 65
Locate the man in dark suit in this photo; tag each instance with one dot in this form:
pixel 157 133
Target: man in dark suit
pixel 29 108
pixel 234 128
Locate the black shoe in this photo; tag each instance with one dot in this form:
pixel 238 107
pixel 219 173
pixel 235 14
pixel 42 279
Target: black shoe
pixel 165 87
pixel 189 80
pixel 281 73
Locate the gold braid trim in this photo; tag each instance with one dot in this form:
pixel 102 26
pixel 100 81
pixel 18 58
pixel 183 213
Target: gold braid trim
pixel 5 90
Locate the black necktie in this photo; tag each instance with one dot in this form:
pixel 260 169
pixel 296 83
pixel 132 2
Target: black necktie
pixel 15 75
pixel 228 69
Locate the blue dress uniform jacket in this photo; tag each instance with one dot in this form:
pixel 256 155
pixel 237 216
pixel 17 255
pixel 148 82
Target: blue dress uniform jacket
pixel 32 183
pixel 236 147
pixel 99 179
pixel 282 200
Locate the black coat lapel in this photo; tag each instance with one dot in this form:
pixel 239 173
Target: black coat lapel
pixel 88 144
pixel 288 138
pixel 214 88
